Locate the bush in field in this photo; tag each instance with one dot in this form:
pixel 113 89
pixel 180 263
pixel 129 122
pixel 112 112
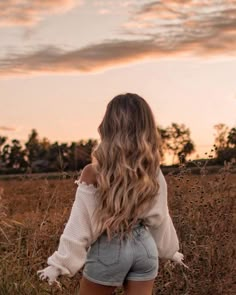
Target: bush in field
pixel 227 155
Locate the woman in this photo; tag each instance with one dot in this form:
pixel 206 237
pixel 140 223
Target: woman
pixel 119 223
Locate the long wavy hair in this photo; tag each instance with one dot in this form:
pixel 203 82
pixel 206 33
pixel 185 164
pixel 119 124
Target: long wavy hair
pixel 126 162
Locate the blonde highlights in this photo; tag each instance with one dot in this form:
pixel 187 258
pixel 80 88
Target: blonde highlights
pixel 126 162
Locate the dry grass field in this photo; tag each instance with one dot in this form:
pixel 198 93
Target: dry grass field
pixel 33 213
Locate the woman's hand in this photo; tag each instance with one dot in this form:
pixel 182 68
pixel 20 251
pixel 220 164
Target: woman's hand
pixel 49 273
pixel 178 257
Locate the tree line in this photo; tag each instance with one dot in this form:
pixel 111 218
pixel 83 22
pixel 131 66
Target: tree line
pixel 40 155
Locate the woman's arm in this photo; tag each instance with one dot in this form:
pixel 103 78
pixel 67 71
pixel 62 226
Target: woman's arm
pixel 161 226
pixel 74 241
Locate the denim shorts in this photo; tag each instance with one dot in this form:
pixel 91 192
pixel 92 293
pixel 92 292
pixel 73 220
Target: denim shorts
pixel 133 258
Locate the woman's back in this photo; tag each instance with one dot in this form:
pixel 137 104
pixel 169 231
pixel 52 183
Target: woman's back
pixel 119 223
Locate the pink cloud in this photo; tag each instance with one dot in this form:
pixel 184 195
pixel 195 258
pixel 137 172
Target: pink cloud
pixel 30 12
pixel 194 29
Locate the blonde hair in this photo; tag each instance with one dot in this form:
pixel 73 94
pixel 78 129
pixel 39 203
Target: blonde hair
pixel 126 162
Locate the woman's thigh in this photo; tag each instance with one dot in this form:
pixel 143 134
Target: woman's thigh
pixel 138 287
pixel 130 288
pixel 88 288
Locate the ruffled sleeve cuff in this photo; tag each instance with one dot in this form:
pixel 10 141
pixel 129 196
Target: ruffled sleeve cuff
pixel 49 273
pixel 179 257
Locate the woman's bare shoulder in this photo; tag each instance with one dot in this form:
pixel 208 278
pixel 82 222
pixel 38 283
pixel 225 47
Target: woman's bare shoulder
pixel 88 175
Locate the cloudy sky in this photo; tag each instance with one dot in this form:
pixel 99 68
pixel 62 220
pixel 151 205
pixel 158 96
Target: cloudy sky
pixel 61 61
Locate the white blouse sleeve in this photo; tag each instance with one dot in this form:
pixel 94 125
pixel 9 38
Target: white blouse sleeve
pixel 161 225
pixel 74 242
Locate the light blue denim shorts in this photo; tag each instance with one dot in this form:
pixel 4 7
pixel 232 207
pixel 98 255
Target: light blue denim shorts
pixel 133 258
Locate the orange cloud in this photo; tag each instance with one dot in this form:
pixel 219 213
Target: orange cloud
pixel 30 12
pixel 109 54
pixel 88 59
pixel 7 128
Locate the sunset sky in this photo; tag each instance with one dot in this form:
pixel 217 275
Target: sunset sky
pixel 62 61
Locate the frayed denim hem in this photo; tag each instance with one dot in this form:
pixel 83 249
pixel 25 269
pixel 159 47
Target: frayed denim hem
pixel 116 284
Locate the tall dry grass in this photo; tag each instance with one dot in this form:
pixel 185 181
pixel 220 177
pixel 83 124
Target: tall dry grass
pixel 33 213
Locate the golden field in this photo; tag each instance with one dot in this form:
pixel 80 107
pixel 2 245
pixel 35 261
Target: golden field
pixel 33 213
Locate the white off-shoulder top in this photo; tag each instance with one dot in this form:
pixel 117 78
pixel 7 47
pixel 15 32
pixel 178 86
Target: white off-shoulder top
pixel 79 232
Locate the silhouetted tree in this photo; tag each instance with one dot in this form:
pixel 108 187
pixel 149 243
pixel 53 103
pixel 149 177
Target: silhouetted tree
pixel 72 156
pixel 187 149
pixel 231 138
pixel 221 141
pixel 41 155
pixel 32 147
pixel 177 140
pixel 17 155
pixel 225 143
pixel 165 136
pixel 84 149
pixel 5 154
pixel 3 139
pixel 13 156
pixel 63 157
